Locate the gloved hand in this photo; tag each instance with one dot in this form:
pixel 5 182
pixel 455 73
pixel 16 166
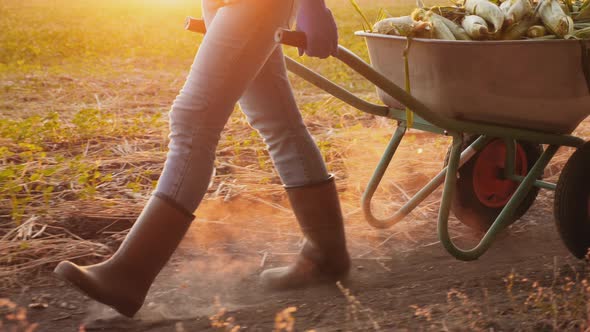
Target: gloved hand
pixel 316 20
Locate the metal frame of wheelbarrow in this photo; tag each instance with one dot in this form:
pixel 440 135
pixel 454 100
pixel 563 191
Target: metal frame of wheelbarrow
pixel 427 120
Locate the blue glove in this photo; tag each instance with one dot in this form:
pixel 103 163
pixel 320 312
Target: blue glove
pixel 316 20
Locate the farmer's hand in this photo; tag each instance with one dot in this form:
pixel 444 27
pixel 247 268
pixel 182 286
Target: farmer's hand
pixel 320 28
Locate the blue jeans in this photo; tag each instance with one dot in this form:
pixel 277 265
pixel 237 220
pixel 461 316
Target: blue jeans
pixel 238 60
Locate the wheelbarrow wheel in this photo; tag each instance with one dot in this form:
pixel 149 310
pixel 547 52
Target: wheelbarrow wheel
pixel 572 202
pixel 482 192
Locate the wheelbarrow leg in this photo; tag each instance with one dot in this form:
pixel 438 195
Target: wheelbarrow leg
pixel 503 217
pixel 428 189
pixel 376 180
pixel 510 167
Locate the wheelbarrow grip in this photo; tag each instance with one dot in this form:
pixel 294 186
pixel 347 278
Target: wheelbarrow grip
pixel 195 25
pixel 291 38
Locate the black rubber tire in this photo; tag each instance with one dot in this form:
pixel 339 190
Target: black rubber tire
pixel 465 204
pixel 572 196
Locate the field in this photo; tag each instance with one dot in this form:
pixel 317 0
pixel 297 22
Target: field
pixel 85 88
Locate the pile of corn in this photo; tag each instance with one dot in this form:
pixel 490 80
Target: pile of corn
pixel 487 20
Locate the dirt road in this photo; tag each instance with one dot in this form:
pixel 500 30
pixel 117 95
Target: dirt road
pixel 407 283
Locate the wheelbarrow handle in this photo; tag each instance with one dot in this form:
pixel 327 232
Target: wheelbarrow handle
pixel 283 36
pixel 291 38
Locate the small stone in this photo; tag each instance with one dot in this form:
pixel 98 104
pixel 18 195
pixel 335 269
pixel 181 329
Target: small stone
pixel 38 305
pixel 63 305
pixel 72 306
pixel 360 267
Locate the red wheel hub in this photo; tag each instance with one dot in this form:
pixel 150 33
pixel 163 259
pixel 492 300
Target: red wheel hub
pixel 489 184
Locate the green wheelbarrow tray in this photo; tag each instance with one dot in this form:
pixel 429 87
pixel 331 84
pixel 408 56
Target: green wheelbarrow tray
pixel 537 84
pixel 435 113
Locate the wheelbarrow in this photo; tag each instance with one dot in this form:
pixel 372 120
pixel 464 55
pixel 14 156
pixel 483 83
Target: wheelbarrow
pixel 508 106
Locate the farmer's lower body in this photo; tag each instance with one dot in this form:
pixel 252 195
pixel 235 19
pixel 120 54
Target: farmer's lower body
pixel 237 61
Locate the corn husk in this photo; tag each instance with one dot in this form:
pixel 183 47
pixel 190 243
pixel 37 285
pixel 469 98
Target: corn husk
pixel 423 30
pixel 455 29
pixel 565 8
pixel 582 34
pixel 505 7
pixel 488 11
pixel 518 10
pixel 420 14
pixel 476 27
pixel 483 20
pixel 440 29
pixel 555 19
pixel 519 29
pixel 403 26
pixel 569 4
pixel 536 31
pixel 453 13
pixel 400 26
pixel 441 25
pixel 548 37
pixel 584 12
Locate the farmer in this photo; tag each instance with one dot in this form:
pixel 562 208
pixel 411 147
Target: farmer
pixel 238 61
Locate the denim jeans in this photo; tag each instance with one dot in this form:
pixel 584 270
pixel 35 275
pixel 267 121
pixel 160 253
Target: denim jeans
pixel 238 60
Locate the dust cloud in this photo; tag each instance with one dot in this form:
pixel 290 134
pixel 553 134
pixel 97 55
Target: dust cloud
pixel 232 241
pixel 226 248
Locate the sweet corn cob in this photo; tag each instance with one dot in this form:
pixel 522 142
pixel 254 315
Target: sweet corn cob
pixel 476 27
pixel 536 31
pixel 555 19
pixel 518 10
pixel 488 11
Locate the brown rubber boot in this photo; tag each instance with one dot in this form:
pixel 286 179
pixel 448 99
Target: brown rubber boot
pixel 123 280
pixel 324 257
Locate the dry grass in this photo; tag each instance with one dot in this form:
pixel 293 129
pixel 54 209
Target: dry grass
pixel 83 139
pixel 83 129
pixel 14 318
pixel 559 303
pixel 88 140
